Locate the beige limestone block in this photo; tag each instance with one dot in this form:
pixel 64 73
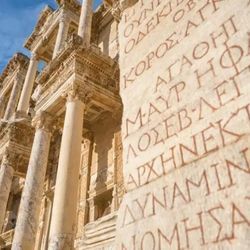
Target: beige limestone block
pixel 185 70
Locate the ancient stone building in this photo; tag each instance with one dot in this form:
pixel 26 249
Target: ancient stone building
pixel 128 128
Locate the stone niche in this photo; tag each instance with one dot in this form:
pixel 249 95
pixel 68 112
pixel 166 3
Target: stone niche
pixel 185 86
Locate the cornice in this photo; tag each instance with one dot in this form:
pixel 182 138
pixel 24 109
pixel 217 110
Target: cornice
pixel 18 60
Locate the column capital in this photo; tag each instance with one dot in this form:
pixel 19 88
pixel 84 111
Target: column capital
pixel 75 92
pixel 64 17
pixel 34 56
pixel 43 120
pixel 19 77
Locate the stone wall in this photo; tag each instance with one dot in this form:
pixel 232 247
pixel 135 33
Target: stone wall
pixel 185 72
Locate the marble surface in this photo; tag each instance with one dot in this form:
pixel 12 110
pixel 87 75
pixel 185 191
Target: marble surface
pixel 28 215
pixel 185 70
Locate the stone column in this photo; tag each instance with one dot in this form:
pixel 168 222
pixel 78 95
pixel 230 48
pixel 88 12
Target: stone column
pixel 85 23
pixel 28 215
pixel 23 105
pixel 93 209
pixel 13 100
pixel 61 34
pixel 6 176
pixel 64 210
pixel 2 104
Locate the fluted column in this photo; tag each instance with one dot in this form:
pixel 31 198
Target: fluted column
pixel 63 222
pixel 28 215
pixel 85 23
pixel 23 105
pixel 61 34
pixel 6 176
pixel 13 100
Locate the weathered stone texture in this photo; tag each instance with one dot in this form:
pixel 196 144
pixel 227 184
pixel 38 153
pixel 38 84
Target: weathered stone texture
pixel 175 76
pixel 185 88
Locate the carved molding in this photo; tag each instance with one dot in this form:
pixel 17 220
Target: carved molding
pixel 19 132
pixel 13 159
pixel 18 60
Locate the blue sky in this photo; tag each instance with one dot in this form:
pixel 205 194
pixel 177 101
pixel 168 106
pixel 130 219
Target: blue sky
pixel 17 20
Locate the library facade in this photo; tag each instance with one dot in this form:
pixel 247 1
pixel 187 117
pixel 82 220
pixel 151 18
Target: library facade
pixel 128 128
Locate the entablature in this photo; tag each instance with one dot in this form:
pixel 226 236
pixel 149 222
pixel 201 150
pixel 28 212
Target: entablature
pixel 84 69
pixel 19 134
pixel 16 140
pixel 15 69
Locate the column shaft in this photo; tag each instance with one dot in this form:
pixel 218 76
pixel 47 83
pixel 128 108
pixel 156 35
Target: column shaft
pixel 23 105
pixel 2 105
pixel 28 215
pixel 61 36
pixel 66 191
pixel 6 176
pixel 13 100
pixel 85 23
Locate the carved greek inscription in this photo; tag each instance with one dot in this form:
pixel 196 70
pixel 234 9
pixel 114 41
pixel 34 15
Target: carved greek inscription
pixel 215 178
pixel 212 138
pixel 186 148
pixel 173 12
pixel 172 40
pixel 225 220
